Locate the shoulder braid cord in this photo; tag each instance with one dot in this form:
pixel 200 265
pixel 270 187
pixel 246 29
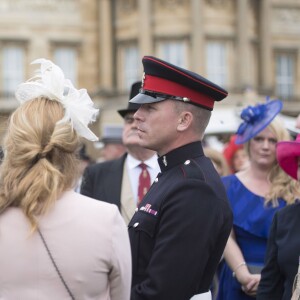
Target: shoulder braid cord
pixel 55 266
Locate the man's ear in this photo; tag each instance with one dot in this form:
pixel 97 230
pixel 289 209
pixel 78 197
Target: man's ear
pixel 185 120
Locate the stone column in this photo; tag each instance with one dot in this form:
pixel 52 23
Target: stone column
pixel 197 36
pixel 105 45
pixel 242 44
pixel 265 50
pixel 145 40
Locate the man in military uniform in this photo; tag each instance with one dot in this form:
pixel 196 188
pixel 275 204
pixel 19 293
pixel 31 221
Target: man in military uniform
pixel 181 227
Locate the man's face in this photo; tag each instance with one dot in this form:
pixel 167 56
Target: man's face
pixel 157 125
pixel 240 160
pixel 112 151
pixel 130 133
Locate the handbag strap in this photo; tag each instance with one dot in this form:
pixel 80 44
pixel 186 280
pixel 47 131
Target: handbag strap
pixel 298 274
pixel 296 285
pixel 55 265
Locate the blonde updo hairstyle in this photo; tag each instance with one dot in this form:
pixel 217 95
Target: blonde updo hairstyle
pixel 218 160
pixel 40 159
pixel 282 186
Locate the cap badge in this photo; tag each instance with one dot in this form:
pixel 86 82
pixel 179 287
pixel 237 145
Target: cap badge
pixel 143 80
pixel 165 161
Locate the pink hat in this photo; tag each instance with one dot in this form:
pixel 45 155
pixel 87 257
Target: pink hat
pixel 287 156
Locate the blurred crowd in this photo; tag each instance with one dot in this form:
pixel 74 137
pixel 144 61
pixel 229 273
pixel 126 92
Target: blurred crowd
pixel 257 189
pixel 203 223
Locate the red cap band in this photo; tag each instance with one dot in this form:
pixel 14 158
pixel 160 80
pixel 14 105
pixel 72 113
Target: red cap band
pixel 164 86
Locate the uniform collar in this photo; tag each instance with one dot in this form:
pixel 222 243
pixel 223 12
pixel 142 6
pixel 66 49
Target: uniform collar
pixel 180 155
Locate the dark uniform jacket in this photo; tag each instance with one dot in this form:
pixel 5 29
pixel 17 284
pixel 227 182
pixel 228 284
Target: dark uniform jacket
pixel 282 256
pixel 103 181
pixel 180 229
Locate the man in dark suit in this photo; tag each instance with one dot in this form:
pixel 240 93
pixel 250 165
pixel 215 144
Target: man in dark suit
pixel 181 227
pixel 116 181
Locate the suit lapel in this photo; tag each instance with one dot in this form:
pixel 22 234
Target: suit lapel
pixel 128 204
pixel 114 181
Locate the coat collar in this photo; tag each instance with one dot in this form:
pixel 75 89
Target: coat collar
pixel 180 155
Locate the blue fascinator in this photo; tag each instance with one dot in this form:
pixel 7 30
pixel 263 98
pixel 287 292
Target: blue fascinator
pixel 256 118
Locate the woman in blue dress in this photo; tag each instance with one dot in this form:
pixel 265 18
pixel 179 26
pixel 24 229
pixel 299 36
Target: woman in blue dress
pixel 255 194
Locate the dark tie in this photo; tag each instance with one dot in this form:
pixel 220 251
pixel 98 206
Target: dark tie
pixel 144 182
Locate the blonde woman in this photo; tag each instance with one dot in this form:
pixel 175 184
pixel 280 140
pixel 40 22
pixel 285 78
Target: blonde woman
pixel 55 243
pixel 218 160
pixel 255 194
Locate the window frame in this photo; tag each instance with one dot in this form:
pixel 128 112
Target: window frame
pixel 216 71
pixel 129 65
pixel 12 68
pixel 174 51
pixel 68 62
pixel 285 84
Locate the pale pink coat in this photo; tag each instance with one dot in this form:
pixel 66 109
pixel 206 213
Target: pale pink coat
pixel 89 242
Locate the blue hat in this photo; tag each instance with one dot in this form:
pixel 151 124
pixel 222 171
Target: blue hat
pixel 163 80
pixel 256 118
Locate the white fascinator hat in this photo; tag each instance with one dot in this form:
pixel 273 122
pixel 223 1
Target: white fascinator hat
pixel 51 83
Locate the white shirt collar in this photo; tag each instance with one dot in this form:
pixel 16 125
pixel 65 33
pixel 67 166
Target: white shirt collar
pixel 133 162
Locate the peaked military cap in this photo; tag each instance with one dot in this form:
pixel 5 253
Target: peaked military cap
pixel 162 80
pixel 131 107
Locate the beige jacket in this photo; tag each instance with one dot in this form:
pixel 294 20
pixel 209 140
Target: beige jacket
pixel 89 242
